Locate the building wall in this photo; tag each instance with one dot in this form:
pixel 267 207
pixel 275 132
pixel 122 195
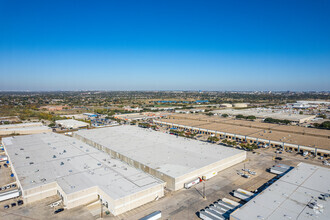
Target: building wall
pixel 217 166
pixel 39 192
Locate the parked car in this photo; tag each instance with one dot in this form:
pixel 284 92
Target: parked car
pixel 13 204
pixel 58 210
pixel 20 202
pixel 6 206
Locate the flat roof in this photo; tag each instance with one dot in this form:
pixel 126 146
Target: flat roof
pixel 74 165
pixel 172 155
pixel 72 123
pixel 281 133
pixel 21 125
pixel 265 113
pixel 288 197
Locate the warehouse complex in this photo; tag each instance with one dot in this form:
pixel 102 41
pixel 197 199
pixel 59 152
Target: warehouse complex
pixel 263 113
pixel 175 160
pixel 303 193
pixel 299 139
pixel 24 128
pixel 49 164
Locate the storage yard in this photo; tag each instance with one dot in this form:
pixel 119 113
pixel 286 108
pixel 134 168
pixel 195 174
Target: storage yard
pixel 303 193
pixel 294 136
pixel 24 128
pixel 51 164
pixel 173 159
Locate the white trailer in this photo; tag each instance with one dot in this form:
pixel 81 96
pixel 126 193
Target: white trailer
pixel 3 158
pixel 209 175
pixel 214 214
pixel 9 195
pixel 231 202
pixel 206 216
pixel 243 194
pixel 192 183
pixel 153 216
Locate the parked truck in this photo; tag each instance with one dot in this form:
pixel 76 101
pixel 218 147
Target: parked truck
pixel 243 194
pixel 9 195
pixel 3 158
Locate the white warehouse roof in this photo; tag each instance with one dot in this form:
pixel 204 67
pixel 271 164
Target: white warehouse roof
pixel 289 196
pixel 71 123
pixel 168 154
pixel 74 166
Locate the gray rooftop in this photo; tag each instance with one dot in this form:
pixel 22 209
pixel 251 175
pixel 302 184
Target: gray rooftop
pixel 169 154
pixel 71 123
pixel 264 113
pixel 288 197
pixel 82 166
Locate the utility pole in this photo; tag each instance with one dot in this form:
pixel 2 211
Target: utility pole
pixel 204 196
pixel 101 209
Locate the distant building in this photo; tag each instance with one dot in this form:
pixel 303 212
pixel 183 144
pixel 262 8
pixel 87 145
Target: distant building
pixel 71 124
pixel 226 105
pixel 90 115
pixel 240 105
pixel 23 128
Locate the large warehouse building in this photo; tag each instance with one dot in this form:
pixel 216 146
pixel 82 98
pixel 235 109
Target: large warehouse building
pixel 303 193
pixel 24 128
pixel 176 160
pixel 49 164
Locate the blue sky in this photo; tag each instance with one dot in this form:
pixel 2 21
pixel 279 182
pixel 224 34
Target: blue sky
pixel 165 45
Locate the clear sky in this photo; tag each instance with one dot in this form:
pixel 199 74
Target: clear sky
pixel 165 45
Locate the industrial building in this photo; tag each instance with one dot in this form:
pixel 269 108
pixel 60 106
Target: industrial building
pixel 176 160
pixel 303 193
pixel 141 116
pixel 294 138
pixel 52 164
pixel 71 124
pixel 24 128
pixel 263 113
